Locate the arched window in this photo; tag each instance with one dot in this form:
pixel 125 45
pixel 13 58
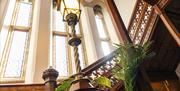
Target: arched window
pixel 14 42
pixel 105 42
pixel 63 58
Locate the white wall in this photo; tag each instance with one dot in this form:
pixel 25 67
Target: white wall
pixel 43 41
pixel 110 27
pixel 30 71
pixel 125 8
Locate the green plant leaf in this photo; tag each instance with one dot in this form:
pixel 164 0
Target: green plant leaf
pixel 129 57
pixel 103 81
pixel 66 84
pixel 118 73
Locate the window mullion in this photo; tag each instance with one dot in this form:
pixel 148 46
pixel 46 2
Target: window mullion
pixel 25 55
pixel 15 13
pixel 65 34
pixel 21 28
pixel 54 52
pixel 31 13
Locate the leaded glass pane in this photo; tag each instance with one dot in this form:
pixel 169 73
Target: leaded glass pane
pixel 100 26
pixel 16 56
pixel 3 36
pixel 77 28
pixel 58 24
pixel 24 14
pixel 105 47
pixel 61 56
pixel 6 25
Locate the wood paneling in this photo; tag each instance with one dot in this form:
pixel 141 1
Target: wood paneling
pixel 166 85
pixel 30 87
pixel 167 51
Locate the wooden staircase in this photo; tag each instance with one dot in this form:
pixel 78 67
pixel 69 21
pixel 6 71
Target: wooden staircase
pixel 140 30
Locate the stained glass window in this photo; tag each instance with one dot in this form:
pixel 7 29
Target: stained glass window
pixel 15 37
pixel 102 30
pixel 100 26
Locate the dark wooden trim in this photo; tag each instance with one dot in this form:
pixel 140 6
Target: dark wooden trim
pixel 19 85
pixel 117 21
pixel 161 75
pixel 143 81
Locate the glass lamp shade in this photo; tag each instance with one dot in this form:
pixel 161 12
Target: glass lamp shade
pixel 70 6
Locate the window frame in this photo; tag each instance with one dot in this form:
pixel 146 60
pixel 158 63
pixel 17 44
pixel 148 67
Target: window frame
pixel 100 16
pixel 8 43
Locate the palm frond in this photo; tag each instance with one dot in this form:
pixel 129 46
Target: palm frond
pixel 129 57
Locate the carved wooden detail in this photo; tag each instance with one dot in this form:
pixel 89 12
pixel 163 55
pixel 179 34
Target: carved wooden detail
pixel 103 68
pixel 50 76
pixel 142 22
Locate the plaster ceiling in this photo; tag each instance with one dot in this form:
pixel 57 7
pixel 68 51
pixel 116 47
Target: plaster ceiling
pixel 91 2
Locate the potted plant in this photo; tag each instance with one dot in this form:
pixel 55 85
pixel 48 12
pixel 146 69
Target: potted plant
pixel 129 58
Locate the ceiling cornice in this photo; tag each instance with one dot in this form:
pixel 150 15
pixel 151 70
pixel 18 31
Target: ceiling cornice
pixel 91 3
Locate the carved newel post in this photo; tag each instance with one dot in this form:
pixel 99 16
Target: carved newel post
pixel 50 75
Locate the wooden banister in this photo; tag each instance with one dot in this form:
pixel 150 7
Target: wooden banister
pixel 98 63
pixel 103 67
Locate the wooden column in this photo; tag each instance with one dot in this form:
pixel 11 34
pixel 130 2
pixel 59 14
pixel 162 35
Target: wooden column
pixel 117 21
pixel 50 75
